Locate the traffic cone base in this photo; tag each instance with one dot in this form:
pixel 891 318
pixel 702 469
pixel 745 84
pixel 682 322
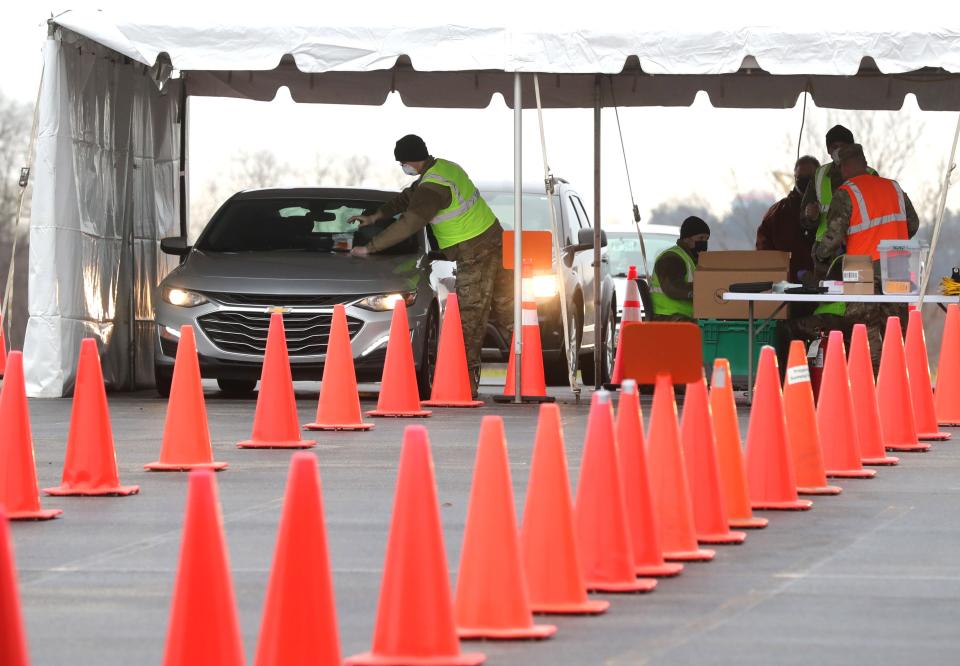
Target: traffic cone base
pixel 883 462
pixel 639 586
pixel 908 448
pixel 298 444
pixel 934 436
pixel 453 403
pixel 42 514
pixel 419 413
pixel 370 659
pixel 753 523
pixel 184 467
pixel 536 632
pixel 589 607
pixel 819 490
pixel 731 538
pixel 699 555
pixel 337 426
pixel 665 570
pixel 794 505
pixel 119 491
pixel 851 473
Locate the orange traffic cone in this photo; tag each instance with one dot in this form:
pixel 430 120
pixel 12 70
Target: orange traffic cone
pixel 897 423
pixel 299 623
pixel 668 479
pixel 600 513
pixel 803 433
pixel 647 551
pixel 533 386
pixel 710 519
pixel 864 393
pixel 399 396
pixel 726 427
pixel 547 539
pixel 186 437
pixel 921 391
pixel 451 380
pixel 770 475
pixel 415 613
pixel 90 467
pixel 838 430
pixel 339 405
pixel 631 313
pixel 13 640
pixel 946 398
pixel 492 600
pixel 18 479
pixel 275 423
pixel 204 628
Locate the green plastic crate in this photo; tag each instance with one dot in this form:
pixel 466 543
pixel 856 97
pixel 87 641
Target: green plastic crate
pixel 728 339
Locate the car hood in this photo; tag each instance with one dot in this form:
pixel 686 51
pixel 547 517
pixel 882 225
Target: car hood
pixel 295 273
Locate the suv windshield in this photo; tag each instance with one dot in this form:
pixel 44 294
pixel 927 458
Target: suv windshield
pixel 306 225
pixel 536 215
pixel 624 251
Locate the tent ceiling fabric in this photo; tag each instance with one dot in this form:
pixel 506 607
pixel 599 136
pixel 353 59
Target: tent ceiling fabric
pixel 456 66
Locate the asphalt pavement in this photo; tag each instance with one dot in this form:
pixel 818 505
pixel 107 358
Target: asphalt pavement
pixel 868 577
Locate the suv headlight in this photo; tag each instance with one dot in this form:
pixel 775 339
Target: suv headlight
pixel 182 297
pixel 544 286
pixel 385 302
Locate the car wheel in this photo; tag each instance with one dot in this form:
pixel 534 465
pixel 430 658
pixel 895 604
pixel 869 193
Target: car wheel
pixel 428 360
pixel 608 352
pixel 237 388
pixel 163 378
pixel 555 374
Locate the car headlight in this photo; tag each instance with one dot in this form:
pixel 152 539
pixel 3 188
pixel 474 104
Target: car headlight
pixel 386 302
pixel 182 297
pixel 544 286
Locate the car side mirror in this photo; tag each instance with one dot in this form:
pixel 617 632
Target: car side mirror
pixel 176 245
pixel 585 239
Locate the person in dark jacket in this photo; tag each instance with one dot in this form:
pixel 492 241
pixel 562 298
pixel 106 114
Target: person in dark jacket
pixel 781 228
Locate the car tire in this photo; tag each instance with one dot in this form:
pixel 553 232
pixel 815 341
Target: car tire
pixel 163 378
pixel 555 374
pixel 428 359
pixel 608 351
pixel 237 388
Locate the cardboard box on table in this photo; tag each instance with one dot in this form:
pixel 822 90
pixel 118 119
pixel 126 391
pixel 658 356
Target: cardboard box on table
pixel 716 271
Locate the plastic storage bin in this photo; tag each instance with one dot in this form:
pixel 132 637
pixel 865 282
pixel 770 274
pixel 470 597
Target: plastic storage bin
pixel 727 338
pixel 901 266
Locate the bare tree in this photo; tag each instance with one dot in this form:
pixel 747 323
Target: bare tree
pixel 258 169
pixel 356 168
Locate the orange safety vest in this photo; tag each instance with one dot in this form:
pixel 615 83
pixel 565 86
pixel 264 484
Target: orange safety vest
pixel 878 214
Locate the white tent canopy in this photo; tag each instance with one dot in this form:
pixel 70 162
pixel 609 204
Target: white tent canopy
pixel 110 166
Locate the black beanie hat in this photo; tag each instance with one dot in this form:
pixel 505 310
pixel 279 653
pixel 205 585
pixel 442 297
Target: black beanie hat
pixel 411 148
pixel 839 133
pixel 692 226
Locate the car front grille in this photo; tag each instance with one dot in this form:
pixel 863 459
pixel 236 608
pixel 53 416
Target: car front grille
pixel 288 300
pixel 246 332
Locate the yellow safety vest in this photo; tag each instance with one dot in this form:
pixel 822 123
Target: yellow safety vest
pixel 663 304
pixel 467 216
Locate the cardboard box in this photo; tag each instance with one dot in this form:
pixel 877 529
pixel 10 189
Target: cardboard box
pixel 858 288
pixel 857 268
pixel 716 271
pixel 834 287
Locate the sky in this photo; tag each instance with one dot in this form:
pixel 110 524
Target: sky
pixel 675 154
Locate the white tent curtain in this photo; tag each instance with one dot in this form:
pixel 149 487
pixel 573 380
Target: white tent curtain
pixel 104 193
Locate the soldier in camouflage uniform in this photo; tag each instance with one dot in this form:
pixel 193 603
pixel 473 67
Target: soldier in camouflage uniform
pixel 834 244
pixel 466 231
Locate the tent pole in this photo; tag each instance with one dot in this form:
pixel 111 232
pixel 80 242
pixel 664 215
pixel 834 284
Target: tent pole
pixel 517 235
pixel 183 156
pixel 938 223
pixel 597 309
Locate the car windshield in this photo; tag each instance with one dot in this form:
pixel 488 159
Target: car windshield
pixel 295 225
pixel 536 215
pixel 624 251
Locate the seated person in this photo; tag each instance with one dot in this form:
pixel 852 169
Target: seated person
pixel 672 281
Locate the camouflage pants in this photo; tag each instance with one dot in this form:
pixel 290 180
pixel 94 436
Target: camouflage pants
pixel 874 316
pixel 807 329
pixel 484 290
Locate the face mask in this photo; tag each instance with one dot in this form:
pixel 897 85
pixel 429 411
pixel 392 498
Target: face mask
pixel 410 170
pixel 835 156
pixel 700 246
pixel 802 183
